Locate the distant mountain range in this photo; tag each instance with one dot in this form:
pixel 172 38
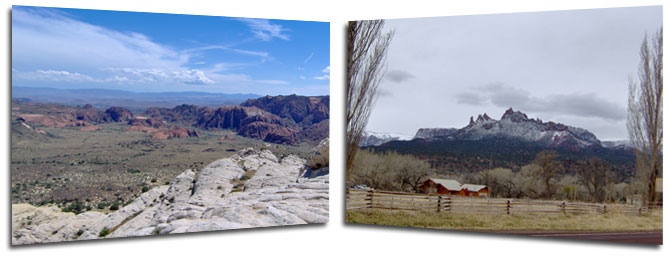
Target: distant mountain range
pixel 513 125
pixel 103 98
pixel 278 119
pixel 370 138
pixel 512 141
pixel 516 125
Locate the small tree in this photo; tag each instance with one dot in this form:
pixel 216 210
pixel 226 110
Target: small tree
pixel 548 170
pixel 411 172
pixel 366 52
pixel 530 182
pixel 596 176
pixel 645 112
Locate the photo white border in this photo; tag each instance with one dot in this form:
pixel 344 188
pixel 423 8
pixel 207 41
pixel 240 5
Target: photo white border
pixel 334 239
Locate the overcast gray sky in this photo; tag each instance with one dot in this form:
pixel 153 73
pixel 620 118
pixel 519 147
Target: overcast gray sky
pixel 570 67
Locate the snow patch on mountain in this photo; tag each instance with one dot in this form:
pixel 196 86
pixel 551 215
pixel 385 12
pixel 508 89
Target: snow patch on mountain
pixel 517 125
pixel 371 138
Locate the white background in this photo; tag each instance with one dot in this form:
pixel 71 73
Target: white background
pixel 334 239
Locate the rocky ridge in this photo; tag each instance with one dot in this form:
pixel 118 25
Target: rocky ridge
pixel 428 133
pixel 250 189
pixel 516 125
pixel 281 119
pixel 370 138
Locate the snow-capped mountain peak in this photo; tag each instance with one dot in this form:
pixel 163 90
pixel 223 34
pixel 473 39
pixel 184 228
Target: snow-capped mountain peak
pixel 371 138
pixel 516 125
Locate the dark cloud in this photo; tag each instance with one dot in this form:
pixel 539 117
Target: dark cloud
pixel 587 105
pixel 470 99
pixel 384 93
pixel 398 76
pixel 574 104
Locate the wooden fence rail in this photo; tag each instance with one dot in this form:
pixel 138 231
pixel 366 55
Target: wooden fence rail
pixel 361 199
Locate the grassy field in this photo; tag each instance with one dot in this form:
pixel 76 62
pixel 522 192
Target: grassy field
pixel 513 222
pixel 113 165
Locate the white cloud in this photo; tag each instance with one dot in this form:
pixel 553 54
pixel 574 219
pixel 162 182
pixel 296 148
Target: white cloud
pixel 52 75
pixel 75 45
pixel 309 57
pixel 261 54
pixel 326 75
pixel 154 75
pixel 265 30
pixel 49 46
pixel 192 77
pixel 243 79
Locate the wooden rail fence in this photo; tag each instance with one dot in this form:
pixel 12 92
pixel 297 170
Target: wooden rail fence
pixel 362 199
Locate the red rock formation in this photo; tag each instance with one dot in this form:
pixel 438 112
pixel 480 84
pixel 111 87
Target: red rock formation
pixel 146 122
pixel 89 113
pixel 269 132
pixel 300 109
pixel 54 121
pixel 316 132
pixel 117 114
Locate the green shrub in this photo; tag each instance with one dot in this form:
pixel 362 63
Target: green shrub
pixel 104 232
pixel 132 170
pixel 75 207
pixel 102 205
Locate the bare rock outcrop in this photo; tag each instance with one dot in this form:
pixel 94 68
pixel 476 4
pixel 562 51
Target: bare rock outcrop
pixel 250 189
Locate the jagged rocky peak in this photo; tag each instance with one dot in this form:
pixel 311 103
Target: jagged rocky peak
pixel 514 116
pixel 481 119
pixel 517 126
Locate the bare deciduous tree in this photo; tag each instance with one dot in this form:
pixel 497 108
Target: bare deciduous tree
pixel 595 175
pixel 388 171
pixel 500 181
pixel 411 173
pixel 645 111
pixel 549 170
pixel 366 46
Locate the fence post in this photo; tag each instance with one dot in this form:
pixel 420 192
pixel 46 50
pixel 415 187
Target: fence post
pixel 509 204
pixel 439 203
pixel 347 195
pixel 371 194
pixel 640 211
pixel 563 208
pixel 604 209
pixel 448 203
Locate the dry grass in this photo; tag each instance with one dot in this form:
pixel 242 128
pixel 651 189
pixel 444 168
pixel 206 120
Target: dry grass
pixel 502 222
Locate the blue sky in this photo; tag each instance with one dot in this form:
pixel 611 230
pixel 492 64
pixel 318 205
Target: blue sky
pixel 76 48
